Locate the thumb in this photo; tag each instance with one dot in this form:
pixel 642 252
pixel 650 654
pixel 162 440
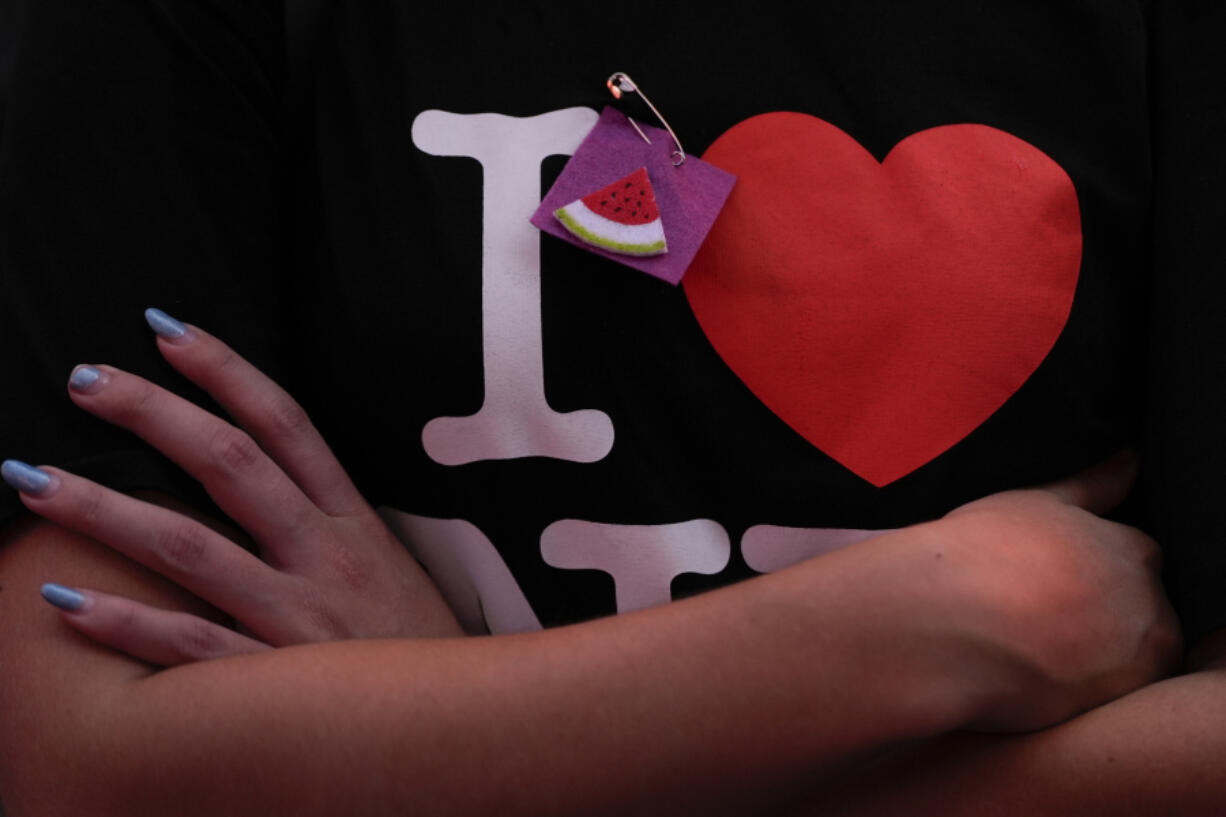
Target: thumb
pixel 1101 488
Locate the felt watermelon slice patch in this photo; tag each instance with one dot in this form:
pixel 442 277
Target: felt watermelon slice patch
pixel 622 217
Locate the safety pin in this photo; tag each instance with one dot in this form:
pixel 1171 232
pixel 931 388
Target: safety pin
pixel 620 83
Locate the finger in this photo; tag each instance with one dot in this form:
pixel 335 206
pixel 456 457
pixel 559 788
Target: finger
pixel 244 482
pixel 161 637
pixel 265 410
pixel 183 550
pixel 1144 549
pixel 1101 488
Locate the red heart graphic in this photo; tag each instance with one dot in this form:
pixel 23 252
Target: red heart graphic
pixel 884 310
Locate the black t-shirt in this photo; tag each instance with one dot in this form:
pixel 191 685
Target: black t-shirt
pixel 931 282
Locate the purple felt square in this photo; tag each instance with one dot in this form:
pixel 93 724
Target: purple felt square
pixel 689 197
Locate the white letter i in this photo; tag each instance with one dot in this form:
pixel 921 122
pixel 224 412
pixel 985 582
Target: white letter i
pixel 514 420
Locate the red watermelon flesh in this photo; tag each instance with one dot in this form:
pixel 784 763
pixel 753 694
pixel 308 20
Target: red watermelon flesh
pixel 629 200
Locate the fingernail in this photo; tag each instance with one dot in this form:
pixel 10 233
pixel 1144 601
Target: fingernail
pixel 87 379
pixel 64 598
pixel 164 325
pixel 25 478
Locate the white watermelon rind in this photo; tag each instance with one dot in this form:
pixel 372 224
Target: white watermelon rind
pixel 628 239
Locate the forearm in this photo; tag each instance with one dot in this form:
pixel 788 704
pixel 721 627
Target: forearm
pixel 725 703
pixel 1153 753
pixel 722 697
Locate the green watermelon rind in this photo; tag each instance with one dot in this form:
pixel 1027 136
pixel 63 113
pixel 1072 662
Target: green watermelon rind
pixel 587 236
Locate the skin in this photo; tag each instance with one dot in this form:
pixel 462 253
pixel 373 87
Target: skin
pixel 1012 613
pixel 1156 751
pixel 76 724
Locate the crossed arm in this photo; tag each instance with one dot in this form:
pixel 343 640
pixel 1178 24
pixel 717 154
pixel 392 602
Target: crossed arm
pixel 731 703
pixel 701 707
pixel 1157 751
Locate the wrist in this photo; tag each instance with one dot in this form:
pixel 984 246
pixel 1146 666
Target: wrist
pixel 901 614
pixel 954 646
pixel 954 675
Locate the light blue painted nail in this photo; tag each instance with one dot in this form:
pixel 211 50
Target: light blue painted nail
pixel 63 597
pixel 164 325
pixel 25 478
pixel 83 378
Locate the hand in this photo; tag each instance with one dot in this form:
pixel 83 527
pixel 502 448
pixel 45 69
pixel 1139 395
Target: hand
pixel 330 568
pixel 1068 605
